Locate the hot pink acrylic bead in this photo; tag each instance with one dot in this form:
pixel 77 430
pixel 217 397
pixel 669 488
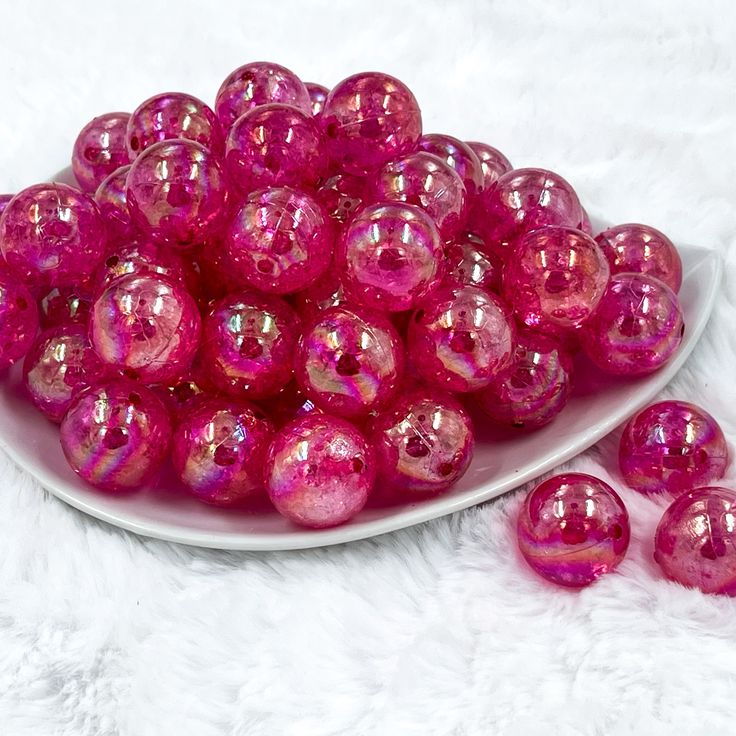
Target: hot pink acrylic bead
pixel 18 318
pixel 535 388
pixel 390 257
pixel 636 328
pixel 459 156
pixel 67 304
pixel 368 119
pixel 319 471
pixel 572 529
pixel 633 248
pixel 424 180
pixel 275 145
pixel 280 241
pixel 672 446
pixel 147 325
pixel 350 361
pixel 493 163
pixel 52 235
pixel 248 344
pixel 116 435
pixel 342 195
pixel 317 94
pixel 100 149
pixel 176 193
pixel 219 449
pixel 469 263
pixel 424 442
pixel 556 276
pixel 111 199
pixel 259 83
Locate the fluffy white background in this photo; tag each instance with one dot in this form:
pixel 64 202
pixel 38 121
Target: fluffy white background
pixel 439 629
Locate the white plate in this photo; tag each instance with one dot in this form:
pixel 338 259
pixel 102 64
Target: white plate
pixel 500 464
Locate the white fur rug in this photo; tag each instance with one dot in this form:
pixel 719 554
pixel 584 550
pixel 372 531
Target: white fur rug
pixel 438 629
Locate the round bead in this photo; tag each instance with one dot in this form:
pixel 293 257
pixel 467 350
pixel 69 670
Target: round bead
pixel 219 449
pixel 18 318
pixel 469 263
pixel 317 95
pixel 319 471
pixel 116 435
pixel 557 276
pixel 100 149
pixel 459 156
pixel 369 119
pixel 147 325
pixel 493 163
pixel 111 200
pixel 637 327
pixel 672 446
pixel 390 257
pixel 572 529
pixel 342 195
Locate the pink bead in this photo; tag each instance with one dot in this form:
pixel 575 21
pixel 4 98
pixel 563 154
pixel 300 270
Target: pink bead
pixel 116 435
pixel 248 344
pixel 259 83
pixel 424 180
pixel 173 115
pixel 556 276
pixel 459 156
pixel 534 389
pixel 317 94
pixel 633 248
pixel 52 235
pixel 424 442
pixel 368 119
pixel 327 291
pixel 493 163
pixel 636 328
pixel 572 529
pixel 460 338
pixel 100 149
pixel 147 325
pixel 219 450
pixel 67 304
pixel 672 446
pixel 342 195
pixel 469 263
pixel 390 257
pixel 177 193
pixel 59 365
pixel 18 318
pixel 273 146
pixel 695 543
pixel 113 204
pixel 280 241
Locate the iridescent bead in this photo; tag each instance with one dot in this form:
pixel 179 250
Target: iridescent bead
pixel 18 318
pixel 275 145
pixel 280 241
pixel 460 338
pixel 672 446
pixel 319 471
pixel 67 304
pixel 317 94
pixel 368 119
pixel 100 149
pixel 469 263
pixel 424 180
pixel 146 325
pixel 424 442
pixel 633 248
pixel 327 291
pixel 116 435
pixel 459 156
pixel 219 449
pixel 177 193
pixel 556 276
pixel 493 163
pixel 259 83
pixel 390 257
pixel 248 344
pixel 636 328
pixel 572 529
pixel 342 195
pixel 113 205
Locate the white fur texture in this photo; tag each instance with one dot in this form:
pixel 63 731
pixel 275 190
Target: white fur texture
pixel 440 629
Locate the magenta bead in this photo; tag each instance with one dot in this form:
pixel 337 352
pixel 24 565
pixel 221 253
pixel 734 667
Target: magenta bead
pixel 219 449
pixel 633 248
pixel 116 435
pixel 147 325
pixel 177 193
pixel 493 163
pixel 259 83
pixel 556 276
pixel 111 200
pixel 469 263
pixel 390 257
pixel 18 318
pixel 52 235
pixel 342 195
pixel 672 446
pixel 459 156
pixel 424 442
pixel 319 471
pixel 248 344
pixel 67 304
pixel 637 327
pixel 368 119
pixel 317 95
pixel 572 529
pixel 100 149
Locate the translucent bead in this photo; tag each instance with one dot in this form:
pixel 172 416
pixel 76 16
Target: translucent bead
pixel 459 156
pixel 317 94
pixel 342 195
pixel 469 263
pixel 18 318
pixel 111 199
pixel 67 304
pixel 493 163
pixel 100 149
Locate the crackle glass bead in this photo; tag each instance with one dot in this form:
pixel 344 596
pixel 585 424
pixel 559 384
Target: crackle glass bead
pixel 493 163
pixel 116 435
pixel 317 94
pixel 58 306
pixel 319 471
pixel 342 195
pixel 459 156
pixel 18 318
pixel 111 200
pixel 573 528
pixel 469 263
pixel 100 149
